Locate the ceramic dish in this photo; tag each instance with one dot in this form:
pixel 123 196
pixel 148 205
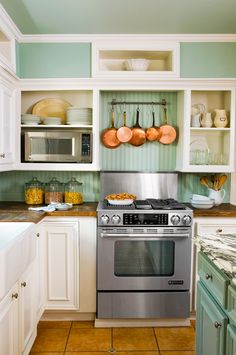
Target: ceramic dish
pixel 205 205
pixel 139 64
pixel 52 121
pixel 121 202
pixel 62 206
pixel 51 108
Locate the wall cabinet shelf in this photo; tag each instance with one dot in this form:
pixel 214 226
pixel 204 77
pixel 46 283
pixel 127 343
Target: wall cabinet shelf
pixel 81 98
pixel 211 149
pixel 109 59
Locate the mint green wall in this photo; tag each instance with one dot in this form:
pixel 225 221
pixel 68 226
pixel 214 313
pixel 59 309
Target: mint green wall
pixel 152 156
pixel 12 183
pixel 53 60
pixel 208 60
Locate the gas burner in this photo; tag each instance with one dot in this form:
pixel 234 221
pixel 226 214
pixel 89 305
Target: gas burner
pixel 166 204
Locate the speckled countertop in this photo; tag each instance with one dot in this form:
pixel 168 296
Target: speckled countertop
pixel 221 249
pixel 18 212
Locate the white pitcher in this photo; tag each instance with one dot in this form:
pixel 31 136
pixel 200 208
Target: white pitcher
pixel 218 196
pixel 195 120
pixel 206 120
pixel 220 119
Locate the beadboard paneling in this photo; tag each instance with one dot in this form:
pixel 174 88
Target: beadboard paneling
pixel 12 183
pixel 152 156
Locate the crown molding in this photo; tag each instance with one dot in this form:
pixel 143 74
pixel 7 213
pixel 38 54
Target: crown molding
pixel 9 27
pixel 70 38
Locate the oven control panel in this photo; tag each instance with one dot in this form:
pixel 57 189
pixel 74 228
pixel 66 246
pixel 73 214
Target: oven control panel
pixel 160 219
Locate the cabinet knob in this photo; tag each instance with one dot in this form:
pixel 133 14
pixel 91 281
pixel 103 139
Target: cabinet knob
pixel 14 295
pixel 23 284
pixel 219 230
pixel 2 155
pixel 37 235
pixel 208 277
pixel 217 325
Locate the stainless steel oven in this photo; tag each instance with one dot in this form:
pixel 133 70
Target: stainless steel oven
pixel 143 249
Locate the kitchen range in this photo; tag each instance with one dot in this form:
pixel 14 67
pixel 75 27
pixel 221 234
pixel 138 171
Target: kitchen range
pixel 143 249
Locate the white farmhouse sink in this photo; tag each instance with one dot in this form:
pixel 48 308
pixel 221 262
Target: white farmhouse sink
pixel 17 250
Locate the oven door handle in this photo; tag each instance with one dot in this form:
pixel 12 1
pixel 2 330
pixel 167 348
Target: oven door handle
pixel 144 236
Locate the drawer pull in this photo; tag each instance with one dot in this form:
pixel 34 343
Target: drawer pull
pixel 23 284
pixel 208 277
pixel 2 155
pixel 219 230
pixel 14 295
pixel 37 235
pixel 217 325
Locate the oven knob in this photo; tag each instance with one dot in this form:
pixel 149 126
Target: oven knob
pixel 186 220
pixel 115 219
pixel 175 219
pixel 104 219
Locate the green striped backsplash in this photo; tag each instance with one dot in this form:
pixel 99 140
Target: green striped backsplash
pixel 12 183
pixel 151 156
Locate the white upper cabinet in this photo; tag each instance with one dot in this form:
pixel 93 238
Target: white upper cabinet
pixel 207 130
pixel 7 43
pixel 137 59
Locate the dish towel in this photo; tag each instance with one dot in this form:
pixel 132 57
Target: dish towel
pixel 49 208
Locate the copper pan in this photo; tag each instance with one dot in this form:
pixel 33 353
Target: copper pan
pixel 139 135
pixel 124 133
pixel 153 133
pixel 109 138
pixel 168 132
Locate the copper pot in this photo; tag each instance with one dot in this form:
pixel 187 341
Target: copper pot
pixel 153 133
pixel 124 133
pixel 139 135
pixel 168 132
pixel 109 138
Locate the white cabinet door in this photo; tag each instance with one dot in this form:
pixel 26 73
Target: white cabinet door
pixel 27 308
pixel 61 252
pixel 7 126
pixel 87 295
pixel 39 274
pixel 9 344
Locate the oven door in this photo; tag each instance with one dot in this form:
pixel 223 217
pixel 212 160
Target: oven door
pixel 136 261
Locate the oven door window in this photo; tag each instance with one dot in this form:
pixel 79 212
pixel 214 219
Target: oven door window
pixel 144 258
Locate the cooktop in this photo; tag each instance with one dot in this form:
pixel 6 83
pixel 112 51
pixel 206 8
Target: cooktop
pixel 148 204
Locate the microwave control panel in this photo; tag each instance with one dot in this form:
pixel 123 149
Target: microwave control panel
pixel 86 146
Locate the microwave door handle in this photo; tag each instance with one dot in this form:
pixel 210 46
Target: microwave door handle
pixel 144 236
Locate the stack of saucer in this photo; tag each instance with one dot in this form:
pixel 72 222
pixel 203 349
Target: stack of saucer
pixel 76 115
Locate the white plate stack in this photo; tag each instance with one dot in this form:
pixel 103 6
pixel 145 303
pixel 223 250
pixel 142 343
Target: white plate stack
pixel 29 119
pixel 79 116
pixel 202 202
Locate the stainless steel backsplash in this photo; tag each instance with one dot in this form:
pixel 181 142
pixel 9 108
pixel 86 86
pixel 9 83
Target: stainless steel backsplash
pixel 143 185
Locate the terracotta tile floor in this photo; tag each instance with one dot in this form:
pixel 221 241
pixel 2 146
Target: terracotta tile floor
pixel 81 338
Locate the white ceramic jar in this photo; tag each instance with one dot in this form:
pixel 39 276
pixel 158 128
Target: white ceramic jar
pixel 220 119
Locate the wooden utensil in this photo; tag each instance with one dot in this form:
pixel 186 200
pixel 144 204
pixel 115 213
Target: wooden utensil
pixel 139 135
pixel 109 138
pixel 124 133
pixel 204 181
pixel 168 132
pixel 153 133
pixel 222 180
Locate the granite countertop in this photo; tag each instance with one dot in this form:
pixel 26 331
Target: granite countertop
pixel 18 212
pixel 221 249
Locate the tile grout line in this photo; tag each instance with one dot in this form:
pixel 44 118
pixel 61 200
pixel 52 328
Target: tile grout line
pixel 159 351
pixel 67 338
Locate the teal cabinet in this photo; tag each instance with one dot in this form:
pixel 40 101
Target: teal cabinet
pixel 231 340
pixel 211 324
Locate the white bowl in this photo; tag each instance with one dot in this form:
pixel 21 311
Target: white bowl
pixel 27 117
pixel 202 204
pixel 196 197
pixel 52 121
pixel 137 64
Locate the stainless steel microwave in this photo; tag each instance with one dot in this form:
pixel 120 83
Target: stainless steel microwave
pixel 60 146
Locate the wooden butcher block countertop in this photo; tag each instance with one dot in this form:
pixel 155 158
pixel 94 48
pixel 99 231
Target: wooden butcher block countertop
pixel 18 212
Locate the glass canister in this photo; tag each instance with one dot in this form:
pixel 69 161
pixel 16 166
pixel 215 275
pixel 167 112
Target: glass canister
pixel 53 191
pixel 34 192
pixel 73 192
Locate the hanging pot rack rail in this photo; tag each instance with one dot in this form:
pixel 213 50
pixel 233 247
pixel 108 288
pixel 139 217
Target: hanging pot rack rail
pixel 163 103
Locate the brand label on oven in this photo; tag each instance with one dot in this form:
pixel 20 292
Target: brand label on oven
pixel 175 282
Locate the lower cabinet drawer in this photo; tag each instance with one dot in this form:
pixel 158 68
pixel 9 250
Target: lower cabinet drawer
pixel 231 340
pixel 216 229
pixel 213 279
